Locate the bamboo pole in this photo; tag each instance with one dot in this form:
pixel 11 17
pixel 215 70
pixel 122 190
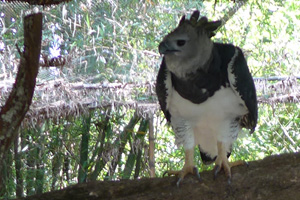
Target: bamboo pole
pixel 151 148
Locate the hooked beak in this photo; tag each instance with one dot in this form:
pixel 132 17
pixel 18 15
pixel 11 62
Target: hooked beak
pixel 165 48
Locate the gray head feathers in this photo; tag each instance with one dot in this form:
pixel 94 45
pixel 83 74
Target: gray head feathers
pixel 201 23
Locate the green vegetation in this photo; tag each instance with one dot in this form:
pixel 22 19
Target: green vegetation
pixel 111 42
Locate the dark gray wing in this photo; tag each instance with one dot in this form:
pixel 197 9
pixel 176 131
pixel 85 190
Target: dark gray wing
pixel 242 83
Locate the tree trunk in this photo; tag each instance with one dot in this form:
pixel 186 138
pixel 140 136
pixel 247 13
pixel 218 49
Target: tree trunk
pixel 19 100
pixel 18 166
pixel 6 175
pixel 275 177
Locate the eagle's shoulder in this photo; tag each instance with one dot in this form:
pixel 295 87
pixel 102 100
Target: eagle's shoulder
pixel 224 53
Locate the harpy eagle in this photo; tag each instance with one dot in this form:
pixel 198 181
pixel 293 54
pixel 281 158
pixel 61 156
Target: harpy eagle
pixel 206 93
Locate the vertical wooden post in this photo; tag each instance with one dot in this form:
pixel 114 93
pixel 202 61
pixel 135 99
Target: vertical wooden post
pixel 151 148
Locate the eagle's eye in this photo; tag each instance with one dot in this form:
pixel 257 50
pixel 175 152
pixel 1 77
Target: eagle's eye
pixel 180 42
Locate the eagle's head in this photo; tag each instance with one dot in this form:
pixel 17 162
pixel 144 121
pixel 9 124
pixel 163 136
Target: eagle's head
pixel 188 47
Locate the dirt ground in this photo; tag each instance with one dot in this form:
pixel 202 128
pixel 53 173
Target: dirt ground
pixel 273 178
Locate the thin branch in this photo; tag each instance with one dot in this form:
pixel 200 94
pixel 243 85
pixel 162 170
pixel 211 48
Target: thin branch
pixel 231 12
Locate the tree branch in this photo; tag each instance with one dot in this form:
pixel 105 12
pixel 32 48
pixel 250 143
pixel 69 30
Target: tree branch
pixel 19 100
pixel 20 97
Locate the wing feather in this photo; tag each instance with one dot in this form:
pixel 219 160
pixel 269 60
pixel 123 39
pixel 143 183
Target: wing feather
pixel 242 83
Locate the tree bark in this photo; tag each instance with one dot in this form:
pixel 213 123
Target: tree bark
pixel 18 167
pixel 19 100
pixel 275 177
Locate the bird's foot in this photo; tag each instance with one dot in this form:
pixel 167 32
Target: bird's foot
pixel 223 163
pixel 182 173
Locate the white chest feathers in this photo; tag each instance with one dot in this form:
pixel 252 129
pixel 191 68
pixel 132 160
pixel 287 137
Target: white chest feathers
pixel 225 103
pixel 206 123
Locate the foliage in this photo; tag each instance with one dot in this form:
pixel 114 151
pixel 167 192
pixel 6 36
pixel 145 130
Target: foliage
pixel 116 41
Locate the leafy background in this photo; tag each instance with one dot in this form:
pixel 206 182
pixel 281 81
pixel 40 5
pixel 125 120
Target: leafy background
pixel 115 42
